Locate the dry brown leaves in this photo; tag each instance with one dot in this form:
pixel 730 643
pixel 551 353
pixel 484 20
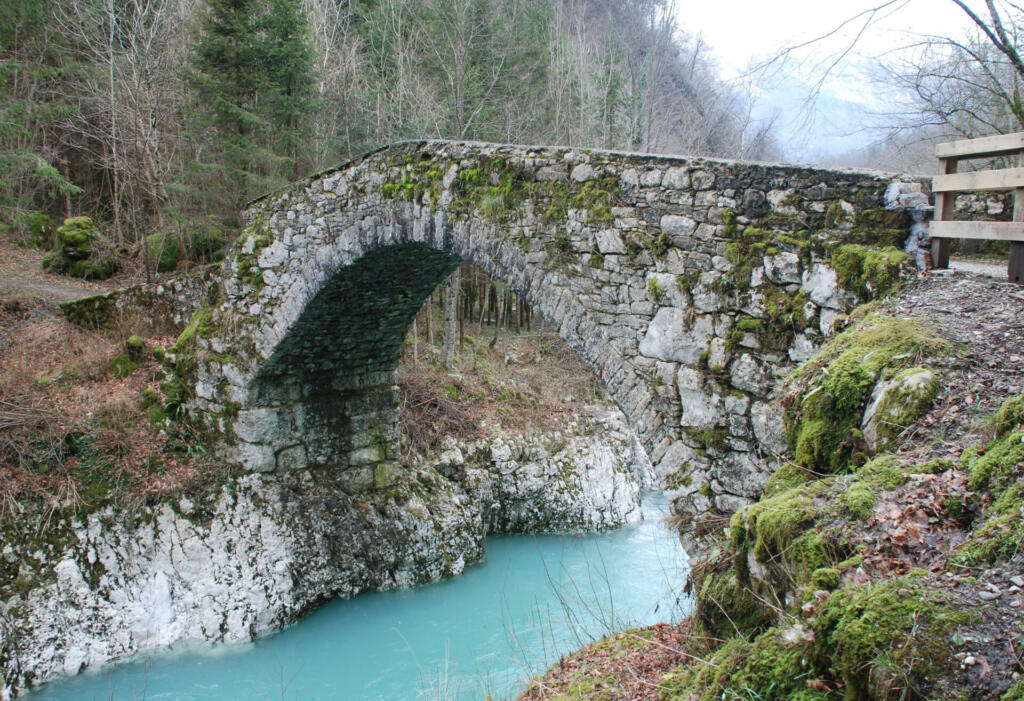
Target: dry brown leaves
pixel 628 665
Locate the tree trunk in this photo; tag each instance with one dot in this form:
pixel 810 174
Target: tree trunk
pixel 451 313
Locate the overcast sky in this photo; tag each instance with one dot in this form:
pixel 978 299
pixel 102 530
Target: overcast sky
pixel 744 32
pixel 741 30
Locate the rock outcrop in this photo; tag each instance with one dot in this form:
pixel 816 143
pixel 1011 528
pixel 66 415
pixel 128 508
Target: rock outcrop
pixel 264 549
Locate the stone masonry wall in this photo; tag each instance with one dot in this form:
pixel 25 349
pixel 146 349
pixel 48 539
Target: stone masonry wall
pixel 689 287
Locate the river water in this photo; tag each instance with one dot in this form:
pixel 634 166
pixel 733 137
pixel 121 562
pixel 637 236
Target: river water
pixel 531 600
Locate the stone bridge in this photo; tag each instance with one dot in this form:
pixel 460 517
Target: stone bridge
pixel 687 285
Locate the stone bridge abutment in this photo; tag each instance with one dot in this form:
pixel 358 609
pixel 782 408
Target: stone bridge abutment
pixel 688 286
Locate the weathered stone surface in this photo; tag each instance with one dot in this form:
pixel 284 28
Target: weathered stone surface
pixel 701 409
pixel 668 337
pixel 783 268
pixel 635 259
pixel 265 549
pixel 895 404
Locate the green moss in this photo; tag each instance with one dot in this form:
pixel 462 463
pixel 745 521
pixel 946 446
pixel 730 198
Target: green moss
pixel 1015 692
pixel 786 477
pixel 824 399
pixel 164 250
pixel 824 578
pixel 122 366
pixel 868 272
pixel 723 607
pixel 768 528
pixel 835 215
pixel 766 668
pixel 1010 415
pixel 883 472
pixel 92 312
pixel 710 439
pixel 75 237
pixel 996 469
pixel 890 635
pixel 909 398
pixel 729 219
pixel 858 500
pixel 655 289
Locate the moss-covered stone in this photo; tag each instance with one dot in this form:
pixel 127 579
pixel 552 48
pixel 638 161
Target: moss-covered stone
pixel 825 398
pixel 92 312
pixel 75 237
pixel 868 272
pixel 163 250
pixel 723 606
pixel 885 641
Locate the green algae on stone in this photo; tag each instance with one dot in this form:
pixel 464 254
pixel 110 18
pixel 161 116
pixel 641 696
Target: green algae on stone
pixel 868 272
pixel 871 641
pixel 825 398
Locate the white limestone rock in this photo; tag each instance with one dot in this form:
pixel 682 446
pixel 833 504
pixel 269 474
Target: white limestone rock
pixel 783 268
pixel 701 409
pixel 668 338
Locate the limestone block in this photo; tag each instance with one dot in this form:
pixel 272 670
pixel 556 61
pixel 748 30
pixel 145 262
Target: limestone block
pixel 609 241
pixel 675 225
pixel 827 321
pixel 896 404
pixel 552 173
pixel 677 178
pixel 782 201
pixel 583 172
pixel 250 456
pixel 705 298
pixel 291 458
pixel 651 178
pixel 718 353
pixel 822 285
pixel 783 268
pixel 721 264
pixel 257 425
pixel 668 338
pixel 668 292
pixel 801 349
pixel 702 409
pixel 749 375
pixel 740 474
pixel 766 420
pixel 702 180
pixel 756 277
pixel 737 405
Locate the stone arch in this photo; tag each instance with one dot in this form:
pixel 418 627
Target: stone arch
pixel 665 274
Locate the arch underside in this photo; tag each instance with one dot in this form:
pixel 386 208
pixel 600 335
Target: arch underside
pixel 331 382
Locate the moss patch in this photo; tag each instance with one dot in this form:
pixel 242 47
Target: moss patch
pixel 824 399
pixel 868 272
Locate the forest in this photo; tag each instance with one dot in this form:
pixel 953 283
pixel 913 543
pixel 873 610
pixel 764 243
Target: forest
pixel 161 118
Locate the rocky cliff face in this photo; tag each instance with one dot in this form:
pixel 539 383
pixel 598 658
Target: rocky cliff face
pixel 265 549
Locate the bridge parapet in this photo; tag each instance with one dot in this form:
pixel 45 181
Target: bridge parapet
pixel 689 286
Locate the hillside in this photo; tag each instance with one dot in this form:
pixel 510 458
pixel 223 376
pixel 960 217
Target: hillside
pixel 897 576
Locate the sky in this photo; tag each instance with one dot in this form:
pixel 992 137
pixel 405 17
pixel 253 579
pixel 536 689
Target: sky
pixel 742 33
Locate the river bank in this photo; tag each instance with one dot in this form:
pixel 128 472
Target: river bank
pixel 892 573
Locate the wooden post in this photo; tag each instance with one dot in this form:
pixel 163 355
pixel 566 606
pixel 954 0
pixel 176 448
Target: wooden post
pixel 1015 269
pixel 944 209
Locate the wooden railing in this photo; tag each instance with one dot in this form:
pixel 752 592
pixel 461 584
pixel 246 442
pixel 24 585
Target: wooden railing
pixel 947 185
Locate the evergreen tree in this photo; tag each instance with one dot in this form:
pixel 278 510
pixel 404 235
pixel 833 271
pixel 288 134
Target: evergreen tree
pixel 289 81
pixel 252 77
pixel 33 63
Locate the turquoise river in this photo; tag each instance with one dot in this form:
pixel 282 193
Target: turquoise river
pixel 532 599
